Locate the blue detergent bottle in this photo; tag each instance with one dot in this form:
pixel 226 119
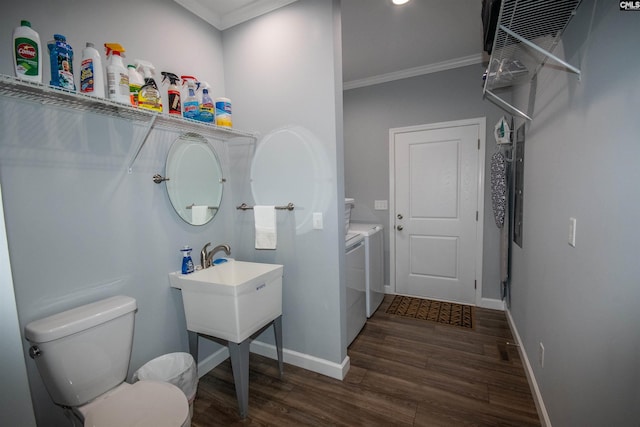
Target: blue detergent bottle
pixel 187 262
pixel 61 56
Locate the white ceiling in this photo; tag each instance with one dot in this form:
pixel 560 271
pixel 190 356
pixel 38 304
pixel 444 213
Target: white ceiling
pixel 381 42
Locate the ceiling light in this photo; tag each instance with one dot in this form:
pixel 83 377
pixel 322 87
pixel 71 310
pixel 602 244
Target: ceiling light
pixel 400 2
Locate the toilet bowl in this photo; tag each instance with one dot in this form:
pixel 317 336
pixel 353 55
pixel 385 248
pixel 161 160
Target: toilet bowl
pixel 83 357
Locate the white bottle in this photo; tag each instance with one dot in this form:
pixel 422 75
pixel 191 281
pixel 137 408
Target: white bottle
pixel 91 74
pixel 27 53
pixel 117 74
pixel 136 81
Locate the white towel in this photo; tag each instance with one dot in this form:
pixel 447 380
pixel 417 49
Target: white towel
pixel 266 234
pixel 199 214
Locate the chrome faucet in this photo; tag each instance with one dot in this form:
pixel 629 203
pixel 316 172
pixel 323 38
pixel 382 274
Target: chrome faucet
pixel 206 258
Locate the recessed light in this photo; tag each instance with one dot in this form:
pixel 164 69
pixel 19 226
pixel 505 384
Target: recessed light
pixel 400 2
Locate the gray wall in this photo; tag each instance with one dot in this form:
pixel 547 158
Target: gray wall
pixel 79 226
pixel 581 161
pixel 15 397
pixel 282 72
pixel 370 112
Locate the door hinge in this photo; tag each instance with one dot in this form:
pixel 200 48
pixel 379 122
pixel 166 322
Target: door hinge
pixel 478 143
pixel 475 284
pixel 476 216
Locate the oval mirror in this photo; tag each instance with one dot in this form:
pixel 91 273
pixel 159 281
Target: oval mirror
pixel 195 179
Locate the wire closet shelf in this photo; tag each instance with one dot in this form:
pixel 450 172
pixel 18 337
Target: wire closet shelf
pixel 527 33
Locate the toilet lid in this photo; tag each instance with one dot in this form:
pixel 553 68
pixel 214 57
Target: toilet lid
pixel 145 403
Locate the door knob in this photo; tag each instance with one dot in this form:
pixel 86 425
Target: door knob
pixel 399 228
pixel 400 216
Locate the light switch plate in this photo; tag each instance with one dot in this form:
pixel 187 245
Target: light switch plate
pixel 572 232
pixel 317 221
pixel 381 205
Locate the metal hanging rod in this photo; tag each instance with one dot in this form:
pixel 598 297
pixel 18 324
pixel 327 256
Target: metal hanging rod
pixel 215 208
pixel 289 207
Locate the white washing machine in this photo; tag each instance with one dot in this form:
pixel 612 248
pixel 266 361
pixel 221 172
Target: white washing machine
pixel 374 260
pixel 355 265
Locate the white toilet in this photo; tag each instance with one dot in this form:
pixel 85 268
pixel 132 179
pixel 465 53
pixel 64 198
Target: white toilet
pixel 83 357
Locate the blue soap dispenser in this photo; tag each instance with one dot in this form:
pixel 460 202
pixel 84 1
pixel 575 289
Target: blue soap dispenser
pixel 187 262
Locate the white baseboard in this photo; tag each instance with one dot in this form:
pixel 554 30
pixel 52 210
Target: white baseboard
pixel 305 361
pixel 535 390
pixel 301 360
pixel 493 304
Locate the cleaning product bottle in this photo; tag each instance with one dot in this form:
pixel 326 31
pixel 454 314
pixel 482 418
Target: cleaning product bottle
pixel 27 53
pixel 91 76
pixel 149 96
pixel 117 75
pixel 187 262
pixel 207 108
pixel 136 81
pixel 61 56
pixel 190 105
pixel 223 112
pixel 175 107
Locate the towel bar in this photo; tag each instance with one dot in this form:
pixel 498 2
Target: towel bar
pixel 210 207
pixel 289 207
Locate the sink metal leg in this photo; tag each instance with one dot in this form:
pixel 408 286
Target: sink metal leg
pixel 277 328
pixel 193 345
pixel 239 354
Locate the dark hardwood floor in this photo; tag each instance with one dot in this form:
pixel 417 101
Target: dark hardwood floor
pixel 404 372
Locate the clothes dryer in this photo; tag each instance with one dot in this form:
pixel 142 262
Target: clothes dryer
pixel 355 266
pixel 374 263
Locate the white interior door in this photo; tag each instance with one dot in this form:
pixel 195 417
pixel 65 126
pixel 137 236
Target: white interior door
pixel 436 181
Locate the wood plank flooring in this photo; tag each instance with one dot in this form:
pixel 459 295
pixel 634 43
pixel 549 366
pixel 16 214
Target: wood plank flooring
pixel 404 372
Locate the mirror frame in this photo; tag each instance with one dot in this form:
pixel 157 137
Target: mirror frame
pixel 193 165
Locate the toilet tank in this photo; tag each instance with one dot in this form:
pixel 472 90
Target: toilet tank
pixel 83 352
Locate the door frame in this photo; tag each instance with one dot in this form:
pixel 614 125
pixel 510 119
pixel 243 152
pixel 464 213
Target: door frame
pixel 481 122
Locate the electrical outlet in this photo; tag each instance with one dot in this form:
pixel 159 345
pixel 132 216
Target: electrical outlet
pixel 541 355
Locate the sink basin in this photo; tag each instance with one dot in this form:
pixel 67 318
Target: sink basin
pixel 232 300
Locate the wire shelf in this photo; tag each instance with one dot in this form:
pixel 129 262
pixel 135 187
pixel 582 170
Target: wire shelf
pixel 48 95
pixel 526 35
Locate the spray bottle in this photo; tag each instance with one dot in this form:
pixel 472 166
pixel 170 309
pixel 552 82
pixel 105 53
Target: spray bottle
pixel 117 75
pixel 149 96
pixel 191 105
pixel 207 107
pixel 173 93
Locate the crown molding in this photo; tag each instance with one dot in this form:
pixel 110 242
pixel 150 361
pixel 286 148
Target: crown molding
pixel 235 17
pixel 198 8
pixel 251 11
pixel 415 71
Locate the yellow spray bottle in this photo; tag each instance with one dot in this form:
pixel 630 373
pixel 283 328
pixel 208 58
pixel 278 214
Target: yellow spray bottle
pixel 149 96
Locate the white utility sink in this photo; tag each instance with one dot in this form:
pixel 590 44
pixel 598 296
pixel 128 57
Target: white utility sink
pixel 232 300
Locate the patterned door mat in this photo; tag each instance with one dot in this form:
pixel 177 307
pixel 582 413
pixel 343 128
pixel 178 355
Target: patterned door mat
pixel 435 311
